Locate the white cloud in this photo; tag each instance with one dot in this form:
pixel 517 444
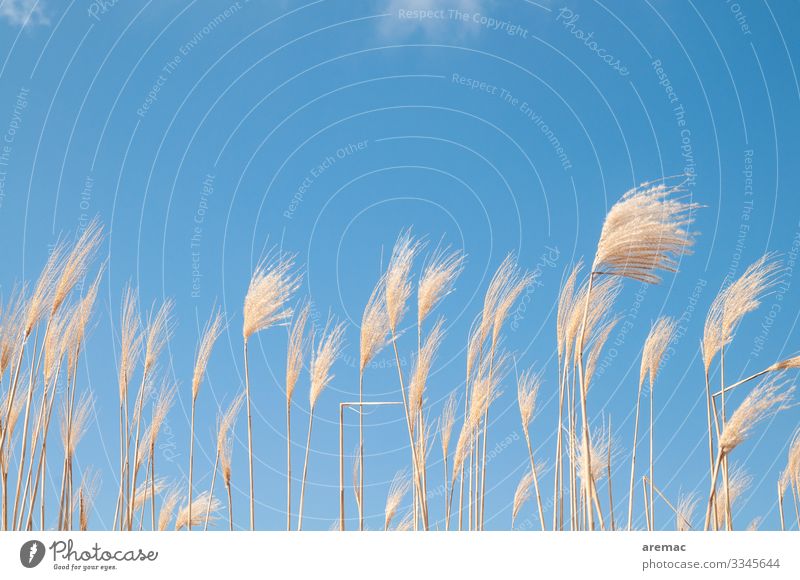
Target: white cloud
pixel 394 25
pixel 23 12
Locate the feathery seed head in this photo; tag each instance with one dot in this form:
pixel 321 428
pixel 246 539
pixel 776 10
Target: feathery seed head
pixel 734 302
pixel 504 278
pixel 739 482
pixel 655 346
pixel 789 363
pixel 644 232
pixel 528 386
pixel 11 328
pixel 168 508
pixel 473 349
pixel 200 509
pixel 225 435
pixel 397 279
pixel 90 484
pixel 159 331
pixel 294 351
pixel 72 432
pixel 601 444
pixel 80 322
pixel 326 353
pixel 521 495
pixel 76 262
pixel 768 398
pixel 422 367
pixel 397 491
pixel 144 492
pixel 684 511
pixel 437 280
pixel 510 293
pixel 161 407
pixel 211 332
pixel 271 287
pixel 374 325
pixel 56 342
pixel 596 348
pixel 792 472
pixel 447 421
pixel 42 298
pixel 566 306
pixel 130 340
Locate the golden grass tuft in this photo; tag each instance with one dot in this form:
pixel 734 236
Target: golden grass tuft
pixel 655 346
pixel 398 489
pixel 294 351
pixel 528 386
pixel 768 398
pixel 76 263
pixel 72 431
pixel 567 302
pixel 90 485
pixel 41 300
pixel 158 333
pixel 684 512
pixel 447 421
pixel 787 364
pixel 645 231
pixel 200 510
pixel 521 495
pixel 328 350
pixel 603 333
pixel 146 491
pixel 422 367
pixel 397 280
pixel 437 280
pixel 225 436
pixel 130 340
pixel 271 287
pixel 739 483
pixel 734 302
pixel 374 326
pixel 168 505
pixel 602 447
pixel 211 333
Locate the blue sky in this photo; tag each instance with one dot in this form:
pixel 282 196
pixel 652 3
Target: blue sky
pixel 204 133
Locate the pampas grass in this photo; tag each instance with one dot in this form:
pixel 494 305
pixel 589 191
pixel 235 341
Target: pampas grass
pixel 168 505
pixel 374 328
pixel 397 288
pixel 294 364
pixel 528 386
pixel 770 397
pixel 326 353
pixel 521 495
pixel 272 286
pixel 437 280
pixel 194 515
pixel 446 423
pixel 422 367
pixel 643 234
pixel 43 328
pixel 687 504
pixel 397 491
pixel 790 475
pixel 655 346
pixel 225 425
pixel 210 335
pixel 161 407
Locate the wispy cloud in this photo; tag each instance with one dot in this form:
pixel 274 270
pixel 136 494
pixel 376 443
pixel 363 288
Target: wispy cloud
pixel 399 23
pixel 24 12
